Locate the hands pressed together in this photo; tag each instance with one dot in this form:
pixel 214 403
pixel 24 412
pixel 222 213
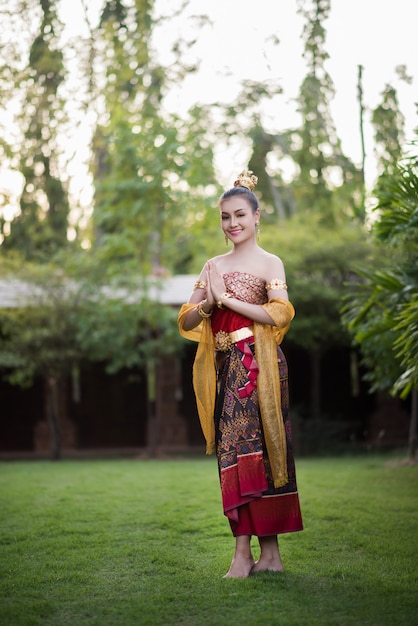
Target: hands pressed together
pixel 215 284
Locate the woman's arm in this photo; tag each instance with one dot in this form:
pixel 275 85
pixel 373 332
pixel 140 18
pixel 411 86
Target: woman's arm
pixel 253 311
pixel 203 300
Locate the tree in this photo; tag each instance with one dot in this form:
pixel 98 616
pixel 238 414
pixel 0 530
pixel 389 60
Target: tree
pixel 380 312
pixel 70 313
pixel 319 261
pixel 150 167
pixel 40 228
pixel 38 337
pixel 388 123
pixel 327 181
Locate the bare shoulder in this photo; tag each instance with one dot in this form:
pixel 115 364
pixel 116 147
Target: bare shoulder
pixel 273 266
pixel 220 257
pixel 222 261
pixel 275 276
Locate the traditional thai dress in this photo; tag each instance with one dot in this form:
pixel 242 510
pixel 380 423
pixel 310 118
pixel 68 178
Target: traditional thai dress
pixel 241 385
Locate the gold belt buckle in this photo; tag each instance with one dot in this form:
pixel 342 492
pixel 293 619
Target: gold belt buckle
pixel 223 341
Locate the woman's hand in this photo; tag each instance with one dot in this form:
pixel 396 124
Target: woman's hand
pixel 216 284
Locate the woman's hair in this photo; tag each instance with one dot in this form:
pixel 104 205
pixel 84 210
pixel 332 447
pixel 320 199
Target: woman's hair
pixel 241 191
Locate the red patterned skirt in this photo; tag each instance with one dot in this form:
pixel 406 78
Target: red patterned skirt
pixel 250 501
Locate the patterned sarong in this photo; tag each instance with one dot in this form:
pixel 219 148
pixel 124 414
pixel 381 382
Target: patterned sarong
pixel 250 501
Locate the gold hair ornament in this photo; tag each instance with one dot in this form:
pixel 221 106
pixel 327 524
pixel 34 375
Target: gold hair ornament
pixel 246 179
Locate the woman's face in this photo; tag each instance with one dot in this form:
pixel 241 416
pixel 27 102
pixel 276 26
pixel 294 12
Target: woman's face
pixel 238 219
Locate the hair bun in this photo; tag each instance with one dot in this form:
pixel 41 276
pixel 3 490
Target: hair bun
pixel 246 179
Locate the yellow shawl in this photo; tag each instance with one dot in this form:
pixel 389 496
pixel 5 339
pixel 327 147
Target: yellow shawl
pixel 267 338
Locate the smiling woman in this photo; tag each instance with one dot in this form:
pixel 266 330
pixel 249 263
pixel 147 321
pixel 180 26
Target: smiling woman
pixel 239 313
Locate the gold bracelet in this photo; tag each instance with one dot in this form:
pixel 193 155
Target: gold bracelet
pixel 201 312
pixel 224 295
pixel 199 284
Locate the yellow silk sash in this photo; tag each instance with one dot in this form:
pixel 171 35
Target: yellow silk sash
pixel 204 375
pixel 267 338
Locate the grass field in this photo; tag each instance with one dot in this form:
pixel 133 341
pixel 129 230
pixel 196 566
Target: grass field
pixel 132 542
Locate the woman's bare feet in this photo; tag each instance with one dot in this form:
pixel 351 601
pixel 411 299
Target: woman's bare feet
pixel 267 565
pixel 240 567
pixel 269 560
pixel 243 561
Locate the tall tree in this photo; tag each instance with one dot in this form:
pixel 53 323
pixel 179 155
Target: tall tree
pixel 388 122
pixel 40 228
pixel 323 179
pixel 148 165
pixel 328 182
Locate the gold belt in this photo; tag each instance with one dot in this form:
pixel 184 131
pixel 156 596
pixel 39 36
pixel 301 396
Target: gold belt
pixel 223 340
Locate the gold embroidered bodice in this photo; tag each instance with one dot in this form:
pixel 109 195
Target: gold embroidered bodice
pixel 246 287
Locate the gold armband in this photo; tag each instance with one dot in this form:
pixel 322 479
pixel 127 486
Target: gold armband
pixel 276 283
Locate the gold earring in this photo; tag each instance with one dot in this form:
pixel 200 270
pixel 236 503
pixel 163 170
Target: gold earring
pixel 226 240
pixel 258 231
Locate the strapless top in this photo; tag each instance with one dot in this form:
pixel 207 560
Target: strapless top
pixel 245 287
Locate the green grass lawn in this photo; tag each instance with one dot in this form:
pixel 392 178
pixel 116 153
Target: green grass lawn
pixel 129 542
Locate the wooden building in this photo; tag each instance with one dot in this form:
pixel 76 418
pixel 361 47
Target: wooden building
pixel 103 413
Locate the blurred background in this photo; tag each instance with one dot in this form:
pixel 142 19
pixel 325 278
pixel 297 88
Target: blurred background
pixel 121 123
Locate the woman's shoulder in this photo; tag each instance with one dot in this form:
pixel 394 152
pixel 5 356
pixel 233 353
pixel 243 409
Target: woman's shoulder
pixel 269 255
pixel 216 261
pixel 271 261
pixel 220 260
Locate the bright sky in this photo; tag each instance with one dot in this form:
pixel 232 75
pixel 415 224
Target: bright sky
pixel 378 34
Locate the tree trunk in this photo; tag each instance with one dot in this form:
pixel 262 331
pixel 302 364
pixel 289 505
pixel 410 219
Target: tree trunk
pixel 315 399
pixel 52 383
pixel 152 430
pixel 412 438
pixel 363 149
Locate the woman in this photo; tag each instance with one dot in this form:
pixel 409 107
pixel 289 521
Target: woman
pixel 239 312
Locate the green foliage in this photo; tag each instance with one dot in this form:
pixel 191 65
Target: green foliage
pixel 319 261
pixel 369 314
pixel 40 228
pixel 37 336
pixel 380 312
pixel 327 181
pixel 323 179
pixel 388 123
pixel 149 166
pixel 71 311
pixel 126 331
